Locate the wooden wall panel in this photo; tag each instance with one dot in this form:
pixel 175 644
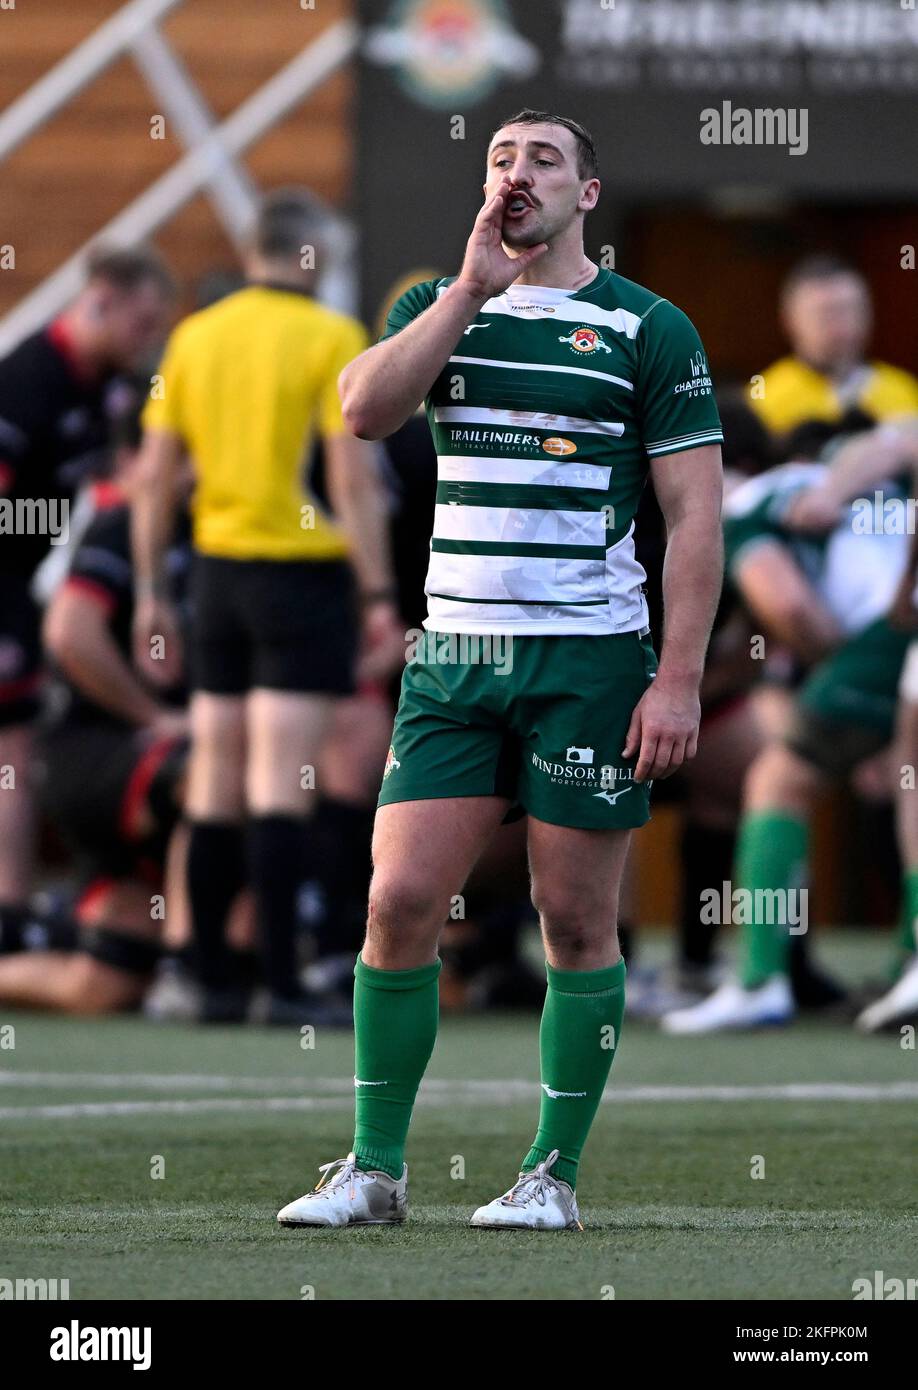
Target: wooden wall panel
pixel 97 155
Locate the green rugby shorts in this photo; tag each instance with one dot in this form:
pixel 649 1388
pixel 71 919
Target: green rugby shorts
pixel 541 720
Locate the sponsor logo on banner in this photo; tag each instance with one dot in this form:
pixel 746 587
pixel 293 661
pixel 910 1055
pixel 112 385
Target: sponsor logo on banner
pixel 824 45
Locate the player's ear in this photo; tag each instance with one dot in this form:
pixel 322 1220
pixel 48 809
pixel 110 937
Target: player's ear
pixel 590 195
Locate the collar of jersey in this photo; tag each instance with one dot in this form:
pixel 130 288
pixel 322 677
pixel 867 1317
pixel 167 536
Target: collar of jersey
pixel 547 294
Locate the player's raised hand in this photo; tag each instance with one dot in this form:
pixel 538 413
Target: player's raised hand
pixel 487 269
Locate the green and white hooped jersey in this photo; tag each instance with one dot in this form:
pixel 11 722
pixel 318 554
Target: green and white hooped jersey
pixel 855 573
pixel 544 419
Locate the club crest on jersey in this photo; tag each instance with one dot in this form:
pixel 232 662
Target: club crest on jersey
pixel 392 763
pixel 586 340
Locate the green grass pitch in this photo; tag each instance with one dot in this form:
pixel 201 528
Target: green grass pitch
pixel 238 1120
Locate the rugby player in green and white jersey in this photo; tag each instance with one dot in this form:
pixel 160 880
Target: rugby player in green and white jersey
pixel 553 387
pixel 821 575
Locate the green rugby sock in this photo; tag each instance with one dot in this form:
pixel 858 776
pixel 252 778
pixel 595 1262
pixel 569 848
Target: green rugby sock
pixel 907 934
pixel 581 1026
pixel 771 853
pixel 395 1027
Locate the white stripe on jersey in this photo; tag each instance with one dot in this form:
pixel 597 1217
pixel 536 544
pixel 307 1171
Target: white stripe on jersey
pixel 542 367
pixel 528 579
pixel 518 525
pixel 567 310
pixel 547 472
pixel 519 419
pixel 597 596
pixel 685 441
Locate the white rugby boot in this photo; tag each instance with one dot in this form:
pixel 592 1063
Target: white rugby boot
pixel 897 1005
pixel 731 1006
pixel 536 1202
pixel 348 1196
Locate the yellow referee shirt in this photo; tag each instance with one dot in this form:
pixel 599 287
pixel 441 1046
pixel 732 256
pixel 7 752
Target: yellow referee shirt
pixel 790 392
pixel 247 384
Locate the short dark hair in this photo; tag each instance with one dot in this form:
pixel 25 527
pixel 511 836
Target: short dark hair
pixel 587 158
pixel 288 220
pixel 824 265
pixel 127 268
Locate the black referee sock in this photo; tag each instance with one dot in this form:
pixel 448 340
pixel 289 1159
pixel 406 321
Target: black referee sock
pixel 707 862
pixel 343 832
pixel 216 874
pixel 277 847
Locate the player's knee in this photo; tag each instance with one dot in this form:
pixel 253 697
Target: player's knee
pixel 568 924
pixel 780 777
pixel 400 907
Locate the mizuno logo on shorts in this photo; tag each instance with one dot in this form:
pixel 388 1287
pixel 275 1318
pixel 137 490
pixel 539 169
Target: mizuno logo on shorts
pixel 612 797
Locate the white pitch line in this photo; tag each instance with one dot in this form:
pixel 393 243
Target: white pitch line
pixel 148 1081
pixel 339 1095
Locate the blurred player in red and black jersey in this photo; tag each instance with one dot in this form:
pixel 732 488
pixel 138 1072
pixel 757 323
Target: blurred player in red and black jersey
pixel 112 758
pixel 60 391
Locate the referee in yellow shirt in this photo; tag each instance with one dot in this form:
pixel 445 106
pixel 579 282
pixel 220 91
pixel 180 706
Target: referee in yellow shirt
pixel 827 315
pixel 244 387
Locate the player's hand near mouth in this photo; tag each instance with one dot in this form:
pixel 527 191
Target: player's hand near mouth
pixel 382 387
pixel 487 270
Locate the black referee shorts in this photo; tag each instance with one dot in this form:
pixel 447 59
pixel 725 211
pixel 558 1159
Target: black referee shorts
pixel 279 624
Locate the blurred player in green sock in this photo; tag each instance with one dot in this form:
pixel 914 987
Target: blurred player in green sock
pixel 821 585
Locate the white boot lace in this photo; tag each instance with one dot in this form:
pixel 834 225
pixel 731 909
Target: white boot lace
pixel 537 1184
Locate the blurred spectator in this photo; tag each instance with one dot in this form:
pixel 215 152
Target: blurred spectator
pixel 826 313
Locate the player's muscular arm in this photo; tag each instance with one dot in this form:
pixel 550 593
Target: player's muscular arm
pixel 77 636
pixel 782 599
pixel 861 464
pixel 664 726
pixel 356 496
pixel 382 387
pixel 903 614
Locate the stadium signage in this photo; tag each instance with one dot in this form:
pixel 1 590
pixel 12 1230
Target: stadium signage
pixel 770 43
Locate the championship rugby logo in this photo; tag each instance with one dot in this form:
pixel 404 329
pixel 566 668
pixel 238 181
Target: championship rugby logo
pixel 586 340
